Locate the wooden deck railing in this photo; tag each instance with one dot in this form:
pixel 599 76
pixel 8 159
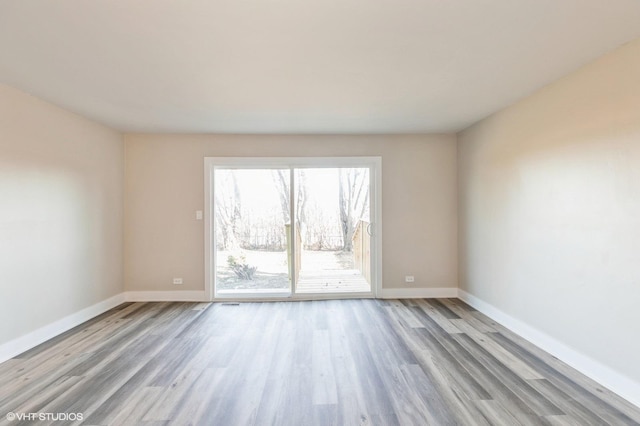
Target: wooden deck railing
pixel 298 244
pixel 362 249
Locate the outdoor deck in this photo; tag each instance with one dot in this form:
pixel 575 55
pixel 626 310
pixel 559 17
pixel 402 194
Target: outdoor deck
pixel 332 281
pixel 322 272
pixel 311 282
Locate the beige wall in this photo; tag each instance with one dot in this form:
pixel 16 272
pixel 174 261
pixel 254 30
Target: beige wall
pixel 164 188
pixel 550 210
pixel 61 179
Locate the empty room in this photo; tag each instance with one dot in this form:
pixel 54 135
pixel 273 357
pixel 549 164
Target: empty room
pixel 347 212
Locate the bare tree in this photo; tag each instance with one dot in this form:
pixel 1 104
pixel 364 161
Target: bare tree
pixel 228 209
pixel 281 179
pixel 353 194
pixel 301 197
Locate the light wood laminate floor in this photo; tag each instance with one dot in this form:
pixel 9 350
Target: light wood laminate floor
pixel 339 362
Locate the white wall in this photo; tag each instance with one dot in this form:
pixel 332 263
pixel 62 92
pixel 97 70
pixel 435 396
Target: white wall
pixel 550 212
pixel 61 179
pixel 164 188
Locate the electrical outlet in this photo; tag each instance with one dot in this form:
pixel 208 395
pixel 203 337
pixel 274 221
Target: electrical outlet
pixel 409 279
pixel 177 281
pixel 198 214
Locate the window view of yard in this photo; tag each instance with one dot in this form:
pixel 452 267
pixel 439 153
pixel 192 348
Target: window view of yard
pixel 272 270
pixel 254 232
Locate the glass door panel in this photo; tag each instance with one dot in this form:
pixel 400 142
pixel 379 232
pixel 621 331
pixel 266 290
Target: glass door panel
pixel 252 232
pixel 331 232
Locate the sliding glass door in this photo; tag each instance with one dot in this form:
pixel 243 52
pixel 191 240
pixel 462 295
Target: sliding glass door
pixel 290 227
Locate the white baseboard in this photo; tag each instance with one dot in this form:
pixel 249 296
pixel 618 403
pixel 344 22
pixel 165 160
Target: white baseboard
pixel 418 293
pixel 30 340
pixel 604 375
pixel 165 296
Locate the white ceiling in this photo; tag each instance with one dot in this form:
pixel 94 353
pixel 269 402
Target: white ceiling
pixel 300 66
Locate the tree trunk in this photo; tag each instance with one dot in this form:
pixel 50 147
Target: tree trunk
pixel 353 200
pixel 282 180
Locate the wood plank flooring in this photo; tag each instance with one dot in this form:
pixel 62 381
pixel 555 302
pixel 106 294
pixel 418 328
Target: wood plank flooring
pixel 339 362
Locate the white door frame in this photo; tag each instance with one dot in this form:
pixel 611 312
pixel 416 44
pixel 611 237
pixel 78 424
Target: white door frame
pixel 375 181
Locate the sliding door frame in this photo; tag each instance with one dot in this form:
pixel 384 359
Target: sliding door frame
pixel 375 187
